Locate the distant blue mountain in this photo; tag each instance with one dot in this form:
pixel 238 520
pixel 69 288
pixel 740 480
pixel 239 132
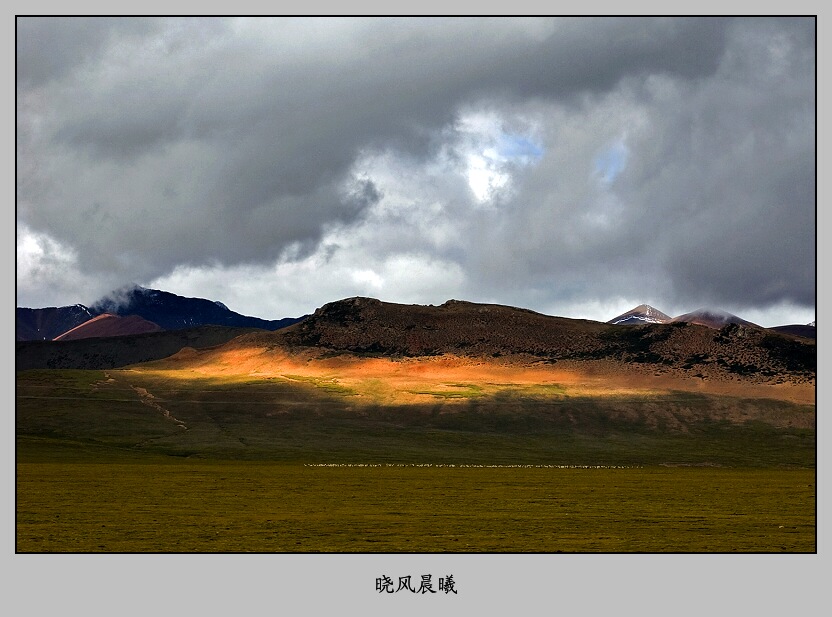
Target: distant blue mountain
pixel 167 310
pixel 173 312
pixel 44 324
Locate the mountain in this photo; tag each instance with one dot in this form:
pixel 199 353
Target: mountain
pixel 107 324
pixel 173 312
pixel 488 333
pixel 646 314
pixel 485 334
pixel 164 310
pixel 367 325
pixel 806 331
pixel 712 318
pixel 642 314
pixel 44 324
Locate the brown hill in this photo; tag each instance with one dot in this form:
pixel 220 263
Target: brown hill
pixel 108 324
pixel 806 331
pixel 371 346
pixel 368 328
pixel 381 353
pixel 366 325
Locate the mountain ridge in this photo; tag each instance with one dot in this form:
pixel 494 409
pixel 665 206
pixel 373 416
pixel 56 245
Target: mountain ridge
pixel 171 311
pixel 166 310
pixel 44 324
pixel 487 334
pixel 368 327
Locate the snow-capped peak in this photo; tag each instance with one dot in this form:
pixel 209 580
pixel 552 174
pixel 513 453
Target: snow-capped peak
pixel 643 313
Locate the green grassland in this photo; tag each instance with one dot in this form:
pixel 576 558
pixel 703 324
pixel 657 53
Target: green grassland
pixel 239 506
pixel 139 462
pixel 313 420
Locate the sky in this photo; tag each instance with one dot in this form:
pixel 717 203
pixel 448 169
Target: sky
pixel 573 166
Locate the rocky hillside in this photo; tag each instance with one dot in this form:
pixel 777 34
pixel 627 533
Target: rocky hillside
pixel 369 326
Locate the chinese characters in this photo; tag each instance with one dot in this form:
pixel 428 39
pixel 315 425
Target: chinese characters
pixel 384 584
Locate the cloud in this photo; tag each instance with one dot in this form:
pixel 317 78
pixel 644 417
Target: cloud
pixel 48 273
pixel 536 162
pixel 298 287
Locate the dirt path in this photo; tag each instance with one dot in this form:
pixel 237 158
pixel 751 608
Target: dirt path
pixel 148 399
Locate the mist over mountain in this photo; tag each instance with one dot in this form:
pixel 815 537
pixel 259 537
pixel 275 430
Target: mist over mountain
pixel 712 318
pixel 173 312
pixel 164 310
pixel 168 311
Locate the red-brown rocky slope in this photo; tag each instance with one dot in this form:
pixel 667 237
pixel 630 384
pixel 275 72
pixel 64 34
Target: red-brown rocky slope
pixel 107 324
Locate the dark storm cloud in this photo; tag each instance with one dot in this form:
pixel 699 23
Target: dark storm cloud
pixel 50 47
pixel 147 144
pixel 733 207
pixel 714 203
pixel 277 130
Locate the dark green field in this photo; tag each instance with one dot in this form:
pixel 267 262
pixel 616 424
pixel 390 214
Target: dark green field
pixel 236 466
pixel 235 506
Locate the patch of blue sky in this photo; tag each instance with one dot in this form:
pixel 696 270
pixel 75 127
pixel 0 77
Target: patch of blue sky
pixel 518 148
pixel 611 162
